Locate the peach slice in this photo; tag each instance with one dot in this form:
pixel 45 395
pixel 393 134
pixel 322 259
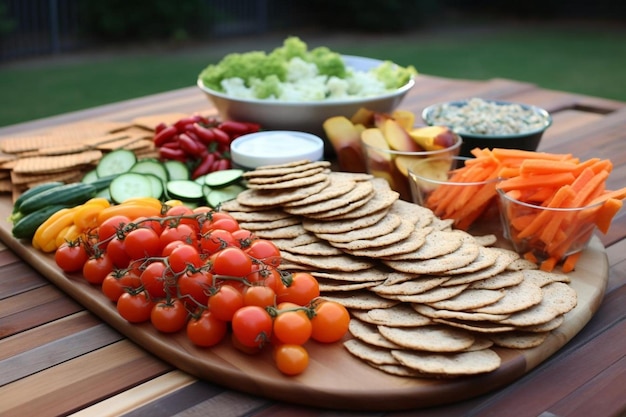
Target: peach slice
pixel 433 138
pixel 405 118
pixel 398 138
pixel 345 138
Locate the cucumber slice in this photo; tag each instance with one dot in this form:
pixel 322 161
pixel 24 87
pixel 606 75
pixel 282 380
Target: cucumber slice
pixel 224 178
pixel 186 190
pixel 116 162
pixel 150 166
pixel 176 170
pixel 157 185
pixel 90 176
pixel 130 184
pixel 215 197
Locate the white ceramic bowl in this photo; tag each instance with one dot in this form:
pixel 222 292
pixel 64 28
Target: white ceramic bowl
pixel 304 116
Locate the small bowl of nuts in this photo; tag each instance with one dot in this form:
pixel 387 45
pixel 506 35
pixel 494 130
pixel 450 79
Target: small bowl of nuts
pixel 491 123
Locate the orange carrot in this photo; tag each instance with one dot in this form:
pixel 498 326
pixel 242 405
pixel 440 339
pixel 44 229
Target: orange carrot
pixel 544 216
pixel 549 264
pixel 606 212
pixel 537 181
pixel 543 166
pixel 570 262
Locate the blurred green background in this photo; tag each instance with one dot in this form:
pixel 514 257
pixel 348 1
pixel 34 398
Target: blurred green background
pixel 123 50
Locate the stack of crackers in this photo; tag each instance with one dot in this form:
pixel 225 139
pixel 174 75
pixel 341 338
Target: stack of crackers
pixel 426 300
pixel 66 152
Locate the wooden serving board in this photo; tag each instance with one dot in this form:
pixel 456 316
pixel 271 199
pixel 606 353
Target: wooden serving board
pixel 334 379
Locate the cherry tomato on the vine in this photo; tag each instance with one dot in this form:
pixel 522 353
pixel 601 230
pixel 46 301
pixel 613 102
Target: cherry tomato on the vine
pixel 194 287
pixel 117 252
pixel 182 210
pixel 182 231
pixel 252 326
pixel 71 256
pixel 330 322
pixel 292 327
pixel 231 261
pixel 142 242
pixel 206 330
pixel 265 251
pixel 301 290
pixel 243 238
pixel 216 240
pixel 225 302
pixel 184 257
pixel 111 226
pixel 97 268
pixel 155 279
pixel 169 316
pixel 135 307
pixel 259 295
pixel 118 282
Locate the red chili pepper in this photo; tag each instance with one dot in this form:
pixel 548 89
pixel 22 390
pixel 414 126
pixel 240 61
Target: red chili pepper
pixel 190 146
pixel 234 128
pixel 165 135
pixel 181 125
pixel 160 127
pixel 205 135
pixel 221 136
pixel 174 144
pixel 204 165
pixel 176 154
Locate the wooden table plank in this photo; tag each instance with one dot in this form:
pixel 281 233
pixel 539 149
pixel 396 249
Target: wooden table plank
pixel 86 379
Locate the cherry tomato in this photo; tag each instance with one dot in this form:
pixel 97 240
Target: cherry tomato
pixel 265 251
pixel 111 226
pixel 291 359
pixel 167 250
pixel 142 243
pixel 195 285
pixel 71 256
pixel 232 261
pixel 259 295
pixel 183 232
pixel 206 330
pixel 135 308
pixel 97 268
pixel 270 277
pixel 183 210
pixel 292 327
pixel 216 240
pixel 154 279
pixel 169 316
pixel 117 282
pixel 149 222
pixel 301 290
pixel 220 221
pixel 252 326
pixel 184 257
pixel 243 238
pixel 225 302
pixel 330 322
pixel 117 251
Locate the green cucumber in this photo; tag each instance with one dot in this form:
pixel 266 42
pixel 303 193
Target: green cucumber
pixel 215 197
pixel 115 162
pixel 157 186
pixel 185 190
pixel 68 194
pixel 103 183
pixel 150 166
pixel 223 178
pixel 34 191
pixel 176 170
pixel 90 176
pixel 26 227
pixel 130 185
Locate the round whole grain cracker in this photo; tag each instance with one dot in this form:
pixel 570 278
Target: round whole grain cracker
pixel 519 340
pixel 400 233
pixel 385 226
pixel 457 259
pixel 434 295
pixel 361 300
pixel 373 354
pixel 469 299
pixel 320 248
pixel 261 180
pixel 269 198
pixel 369 334
pixel 435 313
pixel 519 297
pixel 437 243
pixel 411 243
pixel 290 184
pixel 400 315
pixel 432 338
pixel 457 364
pixel 337 187
pixel 558 298
pixel 383 197
pixel 502 280
pixel 371 274
pixel 335 263
pixel 340 226
pixel 411 287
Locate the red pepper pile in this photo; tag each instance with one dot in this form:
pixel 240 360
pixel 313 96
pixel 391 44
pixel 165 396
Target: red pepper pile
pixel 202 143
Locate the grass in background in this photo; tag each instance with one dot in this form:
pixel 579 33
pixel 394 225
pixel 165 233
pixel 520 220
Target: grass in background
pixel 586 62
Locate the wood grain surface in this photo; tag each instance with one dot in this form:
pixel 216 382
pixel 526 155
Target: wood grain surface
pixel 334 377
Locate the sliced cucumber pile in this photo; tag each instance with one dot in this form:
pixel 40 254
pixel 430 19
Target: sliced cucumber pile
pixel 123 176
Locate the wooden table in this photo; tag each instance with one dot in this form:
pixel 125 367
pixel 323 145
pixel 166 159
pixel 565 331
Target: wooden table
pixel 56 358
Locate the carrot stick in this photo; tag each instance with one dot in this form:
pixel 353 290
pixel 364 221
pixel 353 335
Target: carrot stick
pixel 543 166
pixel 605 214
pixel 502 153
pixel 570 262
pixel 545 215
pixel 549 264
pixel 537 181
pixel 617 194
